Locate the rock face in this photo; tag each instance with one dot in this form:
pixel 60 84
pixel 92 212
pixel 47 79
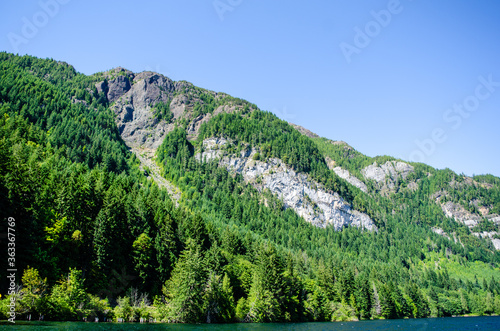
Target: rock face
pixel 118 87
pixel 212 149
pixel 342 173
pixel 387 174
pixel 490 235
pixel 390 170
pixel 459 213
pixel 305 197
pixel 304 131
pixel 133 98
pixel 495 219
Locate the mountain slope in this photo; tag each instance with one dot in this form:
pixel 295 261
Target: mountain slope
pixel 259 229
pixel 473 203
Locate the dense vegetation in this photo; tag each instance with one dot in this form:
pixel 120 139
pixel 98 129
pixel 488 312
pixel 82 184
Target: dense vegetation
pixel 419 205
pixel 96 238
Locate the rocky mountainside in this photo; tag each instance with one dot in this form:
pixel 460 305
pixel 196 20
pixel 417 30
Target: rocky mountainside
pixel 132 186
pixel 467 201
pixel 136 100
pixel 148 106
pixel 306 197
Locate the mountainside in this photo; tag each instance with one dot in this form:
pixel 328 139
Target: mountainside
pixel 148 104
pixel 135 196
pixel 471 202
pixel 305 197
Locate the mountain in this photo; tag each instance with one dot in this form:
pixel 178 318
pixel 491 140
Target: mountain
pixel 134 196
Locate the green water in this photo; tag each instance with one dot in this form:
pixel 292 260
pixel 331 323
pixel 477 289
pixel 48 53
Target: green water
pixel 457 323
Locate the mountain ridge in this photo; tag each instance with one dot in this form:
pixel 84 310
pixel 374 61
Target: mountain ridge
pixel 128 204
pixel 148 89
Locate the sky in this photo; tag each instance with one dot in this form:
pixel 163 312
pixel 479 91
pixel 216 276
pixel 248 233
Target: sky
pixel 415 79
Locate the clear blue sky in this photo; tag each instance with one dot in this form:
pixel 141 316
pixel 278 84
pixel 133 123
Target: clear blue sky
pixel 404 75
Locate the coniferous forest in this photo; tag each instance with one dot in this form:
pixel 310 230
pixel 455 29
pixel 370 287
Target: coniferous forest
pixel 95 236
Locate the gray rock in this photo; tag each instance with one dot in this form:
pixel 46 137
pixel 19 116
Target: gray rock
pixel 489 235
pixel 304 196
pixel 459 213
pixel 440 232
pixel 178 105
pixel 213 148
pixel 304 131
pixel 495 219
pixel 134 107
pixel 342 173
pixel 134 97
pixel 390 170
pixel 118 87
pixel 387 174
pixel 101 86
pixel 374 172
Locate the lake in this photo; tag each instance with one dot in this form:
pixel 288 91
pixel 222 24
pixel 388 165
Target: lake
pixel 450 323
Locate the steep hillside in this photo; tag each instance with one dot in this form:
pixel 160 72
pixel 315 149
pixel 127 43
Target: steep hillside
pixel 306 197
pixel 472 203
pixel 134 196
pixel 148 105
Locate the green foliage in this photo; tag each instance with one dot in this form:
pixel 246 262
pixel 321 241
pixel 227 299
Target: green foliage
pixel 95 228
pixel 68 298
pixel 419 205
pixel 218 298
pixel 162 111
pixel 186 286
pixel 41 92
pixel 143 254
pixel 342 312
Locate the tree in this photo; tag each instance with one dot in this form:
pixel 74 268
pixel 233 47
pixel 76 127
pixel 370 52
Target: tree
pixel 143 255
pixel 166 245
pixel 267 295
pixel 185 288
pixel 33 293
pixel 218 299
pixel 69 297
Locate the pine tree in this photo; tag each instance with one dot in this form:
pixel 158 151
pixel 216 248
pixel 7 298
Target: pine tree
pixel 186 286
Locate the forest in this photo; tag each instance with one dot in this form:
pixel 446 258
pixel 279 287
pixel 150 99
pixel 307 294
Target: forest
pixel 96 238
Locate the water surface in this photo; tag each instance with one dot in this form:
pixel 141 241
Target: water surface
pixel 455 323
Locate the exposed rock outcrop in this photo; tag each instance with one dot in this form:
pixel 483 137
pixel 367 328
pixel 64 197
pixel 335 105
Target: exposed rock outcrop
pixel 440 232
pixel 212 149
pixel 390 170
pixel 387 174
pixel 459 213
pixel 342 173
pixel 330 163
pixel 118 87
pixel 304 131
pixel 133 99
pixel 491 236
pixel 304 196
pixel 495 219
pixel 345 174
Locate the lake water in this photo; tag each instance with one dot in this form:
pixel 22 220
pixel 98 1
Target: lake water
pixel 456 323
